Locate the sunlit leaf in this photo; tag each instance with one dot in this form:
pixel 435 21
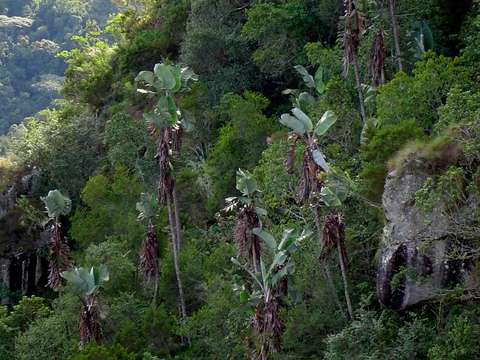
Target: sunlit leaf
pixel 327 120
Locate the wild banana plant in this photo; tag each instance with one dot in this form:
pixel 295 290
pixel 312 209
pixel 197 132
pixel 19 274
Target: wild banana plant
pixel 57 205
pixel 314 173
pixel 167 125
pixel 248 218
pixel 267 285
pixel 147 209
pixel 86 284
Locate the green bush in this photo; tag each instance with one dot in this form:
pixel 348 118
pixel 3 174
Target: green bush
pixel 101 352
pixel 382 144
pixel 240 143
pixel 419 96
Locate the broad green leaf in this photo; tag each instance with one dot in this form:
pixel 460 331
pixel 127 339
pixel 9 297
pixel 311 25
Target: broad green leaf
pixel 246 183
pixel 329 197
pixel 327 120
pixel 287 233
pixel 293 123
pixel 307 78
pixel 320 83
pixel 146 77
pixel 165 75
pixel 101 274
pixel 304 100
pixel 300 115
pixel 261 211
pixel 320 160
pixel 267 238
pixel 57 204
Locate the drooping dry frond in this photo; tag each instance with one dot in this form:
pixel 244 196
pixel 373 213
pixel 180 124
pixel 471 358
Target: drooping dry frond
pixel 377 58
pixel 90 329
pixel 311 183
pixel 59 257
pixel 334 234
pixel 169 144
pixel 149 254
pixel 354 27
pixel 248 243
pixel 268 326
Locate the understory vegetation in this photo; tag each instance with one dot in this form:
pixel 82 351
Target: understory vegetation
pixel 210 184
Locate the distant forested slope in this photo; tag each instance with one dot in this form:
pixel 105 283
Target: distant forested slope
pixel 32 32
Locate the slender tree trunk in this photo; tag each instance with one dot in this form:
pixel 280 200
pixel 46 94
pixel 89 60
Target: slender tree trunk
pixel 176 264
pixel 155 290
pixel 326 268
pixel 345 280
pixel 256 259
pixel 358 81
pixel 396 34
pixel 178 224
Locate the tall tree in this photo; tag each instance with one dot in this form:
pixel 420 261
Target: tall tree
pixel 57 205
pixel 315 167
pixel 354 28
pixel 396 34
pixel 167 126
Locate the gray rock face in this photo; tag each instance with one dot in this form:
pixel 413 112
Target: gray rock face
pixel 21 269
pixel 413 265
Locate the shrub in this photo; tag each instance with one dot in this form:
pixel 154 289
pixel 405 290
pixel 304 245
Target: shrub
pixel 382 144
pixel 240 143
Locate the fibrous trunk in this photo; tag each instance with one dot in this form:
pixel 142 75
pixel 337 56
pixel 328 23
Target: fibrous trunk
pixel 176 262
pixel 169 143
pixel 268 326
pixel 334 237
pixel 149 255
pixel 59 256
pixel 310 183
pixel 396 34
pixel 326 267
pixel 248 243
pixel 377 58
pixel 90 329
pixel 354 28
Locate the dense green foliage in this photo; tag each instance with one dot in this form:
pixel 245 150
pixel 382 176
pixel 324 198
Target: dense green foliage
pixel 95 147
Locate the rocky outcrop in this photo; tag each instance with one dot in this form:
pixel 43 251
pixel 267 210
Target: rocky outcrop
pixel 22 269
pixel 413 264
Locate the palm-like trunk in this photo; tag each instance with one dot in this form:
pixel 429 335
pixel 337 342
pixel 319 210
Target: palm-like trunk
pixel 326 268
pixel 396 34
pixel 178 224
pixel 176 263
pixel 358 82
pixel 343 268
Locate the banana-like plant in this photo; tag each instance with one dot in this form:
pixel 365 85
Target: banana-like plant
pixel 166 125
pixel 269 288
pixel 248 218
pixel 147 209
pixel 314 163
pixel 86 284
pixel 57 205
